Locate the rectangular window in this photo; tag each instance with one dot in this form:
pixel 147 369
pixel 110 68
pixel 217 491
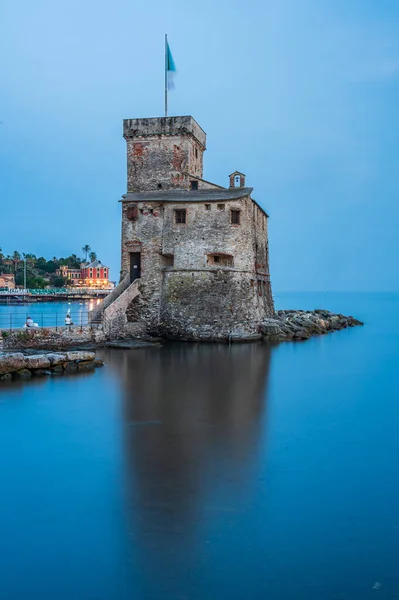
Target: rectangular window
pixel 180 216
pixel 194 185
pixel 207 207
pixel 235 217
pixel 196 152
pixel 223 260
pixel 168 260
pixel 220 206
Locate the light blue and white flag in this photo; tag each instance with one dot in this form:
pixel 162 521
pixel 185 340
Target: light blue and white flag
pixel 170 67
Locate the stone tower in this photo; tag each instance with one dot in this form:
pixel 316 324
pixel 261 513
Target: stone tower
pixel 163 153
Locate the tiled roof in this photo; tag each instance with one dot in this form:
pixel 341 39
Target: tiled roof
pixel 94 265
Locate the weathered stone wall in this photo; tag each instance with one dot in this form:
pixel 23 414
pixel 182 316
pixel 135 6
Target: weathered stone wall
pixel 209 304
pixel 163 152
pixel 145 235
pixel 261 252
pixel 180 285
pixel 49 338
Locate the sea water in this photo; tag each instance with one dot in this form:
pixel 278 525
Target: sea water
pixel 207 472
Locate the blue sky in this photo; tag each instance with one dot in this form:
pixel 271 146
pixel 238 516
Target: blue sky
pixel 301 95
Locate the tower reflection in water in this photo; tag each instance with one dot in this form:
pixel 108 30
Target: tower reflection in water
pixel 194 427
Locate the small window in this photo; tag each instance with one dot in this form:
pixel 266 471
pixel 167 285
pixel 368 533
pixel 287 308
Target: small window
pixel 207 207
pixel 235 217
pixel 180 216
pixel 223 260
pixel 196 152
pixel 237 181
pixel 168 260
pixel 194 185
pixel 220 206
pixel 160 186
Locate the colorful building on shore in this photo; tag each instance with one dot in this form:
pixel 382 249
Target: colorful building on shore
pixel 7 280
pixel 92 275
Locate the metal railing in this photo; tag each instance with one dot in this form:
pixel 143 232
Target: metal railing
pixel 18 320
pixel 53 292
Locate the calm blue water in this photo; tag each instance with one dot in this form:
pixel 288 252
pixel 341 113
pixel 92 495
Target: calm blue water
pixel 209 472
pixel 45 314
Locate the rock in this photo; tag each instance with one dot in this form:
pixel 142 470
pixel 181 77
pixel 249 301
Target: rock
pixel 352 322
pixel 5 377
pixel 40 372
pixel 86 365
pixel 80 355
pixel 57 369
pixel 22 374
pixel 38 361
pixel 302 335
pixel 302 324
pixel 56 358
pixel 271 327
pixel 98 362
pixel 11 362
pixel 71 366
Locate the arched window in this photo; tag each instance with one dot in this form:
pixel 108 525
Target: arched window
pixel 237 181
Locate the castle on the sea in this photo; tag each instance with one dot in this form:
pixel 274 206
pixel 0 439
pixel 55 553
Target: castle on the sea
pixel 195 261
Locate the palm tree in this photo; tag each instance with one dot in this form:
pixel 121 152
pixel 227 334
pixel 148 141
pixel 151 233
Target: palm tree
pixel 92 256
pixel 86 249
pixel 16 258
pixel 8 261
pixel 30 259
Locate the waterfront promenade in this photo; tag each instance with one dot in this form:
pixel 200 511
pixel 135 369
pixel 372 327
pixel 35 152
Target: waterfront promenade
pixel 48 295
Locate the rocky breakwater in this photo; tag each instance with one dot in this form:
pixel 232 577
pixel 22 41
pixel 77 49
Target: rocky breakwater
pixel 16 365
pixel 303 324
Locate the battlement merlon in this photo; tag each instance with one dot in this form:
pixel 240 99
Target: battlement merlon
pixel 161 126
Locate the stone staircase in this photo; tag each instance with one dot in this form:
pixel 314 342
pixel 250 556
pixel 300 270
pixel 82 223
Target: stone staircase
pixel 97 313
pixel 112 311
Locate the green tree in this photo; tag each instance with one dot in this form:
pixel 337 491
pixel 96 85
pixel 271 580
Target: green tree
pixel 86 249
pixel 92 256
pixel 58 281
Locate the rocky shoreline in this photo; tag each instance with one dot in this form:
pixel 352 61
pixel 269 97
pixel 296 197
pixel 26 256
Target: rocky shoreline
pixel 286 325
pixel 16 365
pixel 296 325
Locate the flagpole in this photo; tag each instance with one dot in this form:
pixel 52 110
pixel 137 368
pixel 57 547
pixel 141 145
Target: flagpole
pixel 166 75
